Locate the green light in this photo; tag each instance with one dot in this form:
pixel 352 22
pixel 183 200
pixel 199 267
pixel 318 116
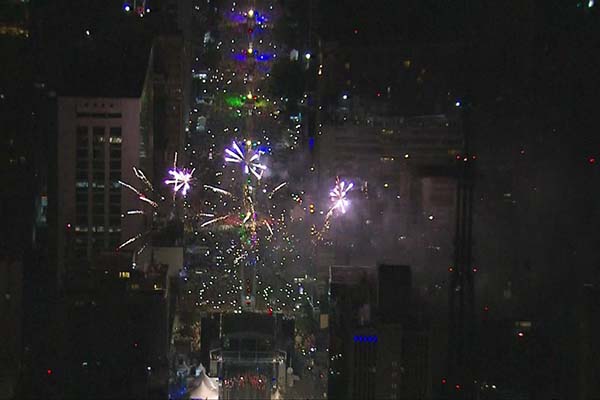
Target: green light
pixel 234 101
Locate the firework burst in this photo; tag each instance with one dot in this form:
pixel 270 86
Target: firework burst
pixel 338 196
pixel 180 178
pixel 249 158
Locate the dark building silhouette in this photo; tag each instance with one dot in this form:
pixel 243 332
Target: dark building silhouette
pixel 379 336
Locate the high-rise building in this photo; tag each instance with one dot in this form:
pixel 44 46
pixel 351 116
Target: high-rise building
pixel 11 306
pixel 404 185
pixel 102 135
pixel 118 331
pixel 171 98
pixel 379 337
pixel 18 193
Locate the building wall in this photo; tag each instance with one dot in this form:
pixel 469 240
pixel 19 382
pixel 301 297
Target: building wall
pixel 99 141
pixel 11 272
pixel 404 175
pixel 171 105
pixel 389 361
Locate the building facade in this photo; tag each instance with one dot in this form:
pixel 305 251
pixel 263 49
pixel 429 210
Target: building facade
pixel 379 335
pixel 100 140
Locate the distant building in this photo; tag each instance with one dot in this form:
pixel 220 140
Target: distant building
pixel 171 99
pixel 379 337
pixel 14 19
pixel 11 322
pixel 403 170
pixel 118 331
pixel 102 134
pixel 589 347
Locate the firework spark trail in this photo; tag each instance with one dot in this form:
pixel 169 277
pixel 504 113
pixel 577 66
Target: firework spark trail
pixel 147 200
pixel 140 195
pixel 135 212
pixel 212 221
pixel 128 186
pixel 140 251
pixel 129 241
pixel 142 177
pixel 269 227
pixel 218 190
pixel 276 189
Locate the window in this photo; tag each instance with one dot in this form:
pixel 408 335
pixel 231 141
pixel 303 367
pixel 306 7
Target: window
pixel 82 136
pixel 124 275
pixel 98 132
pixel 115 135
pixel 82 153
pixel 81 196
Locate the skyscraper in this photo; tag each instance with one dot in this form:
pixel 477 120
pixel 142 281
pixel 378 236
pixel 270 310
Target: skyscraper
pixel 379 335
pixel 103 133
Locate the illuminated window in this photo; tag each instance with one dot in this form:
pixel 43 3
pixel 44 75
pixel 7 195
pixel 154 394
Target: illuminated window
pixel 124 275
pixel 9 30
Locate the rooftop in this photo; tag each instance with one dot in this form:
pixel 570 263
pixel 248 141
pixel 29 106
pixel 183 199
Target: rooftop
pixel 107 67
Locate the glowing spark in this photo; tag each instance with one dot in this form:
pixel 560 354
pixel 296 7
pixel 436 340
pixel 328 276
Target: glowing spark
pixel 212 221
pixel 250 160
pixel 206 215
pixel 129 241
pixel 147 200
pixel 218 190
pixel 142 177
pixel 269 228
pixel 128 186
pixel 277 188
pixel 141 249
pixel 140 195
pixel 134 212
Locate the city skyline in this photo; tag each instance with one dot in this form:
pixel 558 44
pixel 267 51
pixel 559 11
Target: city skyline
pixel 210 191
